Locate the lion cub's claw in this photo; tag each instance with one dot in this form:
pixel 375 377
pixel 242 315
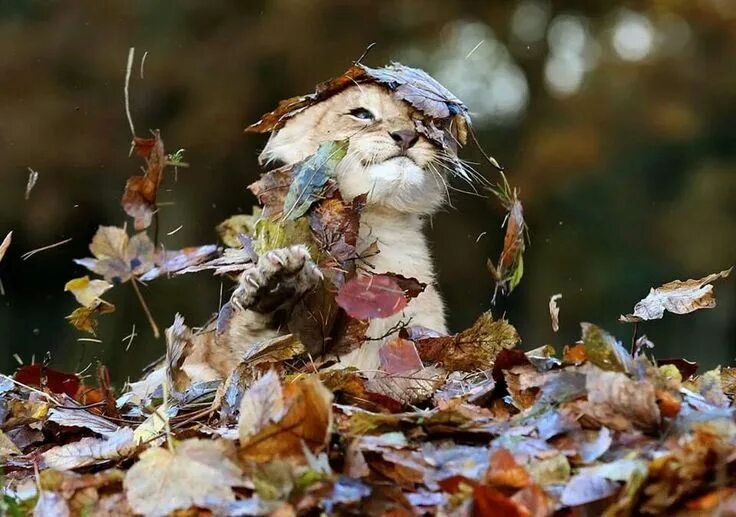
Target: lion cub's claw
pixel 279 279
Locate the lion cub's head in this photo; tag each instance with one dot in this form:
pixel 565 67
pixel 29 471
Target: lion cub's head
pixel 387 158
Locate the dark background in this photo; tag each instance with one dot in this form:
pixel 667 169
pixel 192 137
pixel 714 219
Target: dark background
pixel 616 120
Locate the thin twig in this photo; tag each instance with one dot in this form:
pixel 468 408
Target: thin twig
pixel 143 62
pixel 151 321
pixel 29 254
pixel 128 68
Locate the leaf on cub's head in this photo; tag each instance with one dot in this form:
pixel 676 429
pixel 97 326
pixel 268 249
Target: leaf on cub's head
pixel 677 297
pixel 139 197
pixel 446 118
pixel 118 258
pixel 472 349
pixel 311 176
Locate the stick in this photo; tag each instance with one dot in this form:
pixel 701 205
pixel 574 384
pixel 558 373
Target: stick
pixel 151 321
pixel 128 68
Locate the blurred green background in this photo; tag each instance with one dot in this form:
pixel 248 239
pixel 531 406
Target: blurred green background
pixel 616 120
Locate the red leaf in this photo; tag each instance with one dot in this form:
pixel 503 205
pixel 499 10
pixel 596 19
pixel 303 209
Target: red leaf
pixel 367 297
pixel 399 356
pixel 55 381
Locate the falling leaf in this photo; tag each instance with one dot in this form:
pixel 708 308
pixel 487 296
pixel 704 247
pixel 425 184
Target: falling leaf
pixel 32 179
pixel 197 473
pixel 554 311
pixel 177 260
pixel 139 197
pixel 677 297
pixel 311 176
pixel 509 269
pixel 118 258
pixel 85 318
pixel 86 291
pixel 368 297
pixel 5 244
pixel 472 349
pixel 90 451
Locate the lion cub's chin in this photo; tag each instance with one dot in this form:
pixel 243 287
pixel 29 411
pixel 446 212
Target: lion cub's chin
pixel 398 183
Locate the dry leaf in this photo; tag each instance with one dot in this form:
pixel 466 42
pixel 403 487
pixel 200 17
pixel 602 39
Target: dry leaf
pixel 261 405
pixel 509 269
pixel 621 403
pixel 677 297
pixel 118 258
pixel 86 291
pixel 90 451
pixel 84 318
pixel 139 197
pixel 472 349
pixel 554 311
pixel 304 419
pixel 196 473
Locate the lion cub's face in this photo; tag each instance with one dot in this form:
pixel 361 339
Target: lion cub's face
pixel 387 158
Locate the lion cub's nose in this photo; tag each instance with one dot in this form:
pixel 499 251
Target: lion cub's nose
pixel 405 138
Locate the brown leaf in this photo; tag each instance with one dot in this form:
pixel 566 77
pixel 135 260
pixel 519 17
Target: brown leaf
pixel 283 421
pixel 118 258
pixel 489 502
pixel 509 269
pixel 472 349
pixel 603 350
pixel 505 472
pixel 334 224
pixel 621 403
pixel 271 190
pixel 139 197
pixel 84 318
pixel 197 473
pixel 677 297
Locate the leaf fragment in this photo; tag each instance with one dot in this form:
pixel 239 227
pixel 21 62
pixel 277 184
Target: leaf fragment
pixel 139 197
pixel 5 244
pixel 554 311
pixel 677 297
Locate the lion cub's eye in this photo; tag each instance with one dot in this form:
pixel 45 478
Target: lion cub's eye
pixel 361 114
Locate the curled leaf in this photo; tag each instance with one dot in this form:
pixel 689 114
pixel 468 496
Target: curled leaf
pixel 139 197
pixel 677 297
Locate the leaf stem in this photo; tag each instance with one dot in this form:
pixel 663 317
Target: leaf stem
pixel 151 321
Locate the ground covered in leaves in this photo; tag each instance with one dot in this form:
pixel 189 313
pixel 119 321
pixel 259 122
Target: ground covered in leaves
pixel 463 424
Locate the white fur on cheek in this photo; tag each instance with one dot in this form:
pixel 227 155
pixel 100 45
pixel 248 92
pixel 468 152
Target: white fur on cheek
pixel 397 183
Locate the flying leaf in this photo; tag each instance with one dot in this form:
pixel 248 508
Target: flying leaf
pixel 197 473
pixel 677 297
pixel 139 197
pixel 472 349
pixel 86 291
pixel 85 318
pixel 5 244
pixel 509 269
pixel 311 176
pixel 118 258
pixel 368 297
pixel 603 350
pixel 554 311
pixel 177 260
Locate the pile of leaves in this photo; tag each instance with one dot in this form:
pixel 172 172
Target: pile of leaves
pixel 454 424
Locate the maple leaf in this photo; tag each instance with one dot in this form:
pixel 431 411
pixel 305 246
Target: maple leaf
pixel 677 297
pixel 196 473
pixel 118 257
pixel 472 349
pixel 139 197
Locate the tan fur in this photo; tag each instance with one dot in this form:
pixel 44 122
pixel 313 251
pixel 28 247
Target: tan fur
pixel 404 187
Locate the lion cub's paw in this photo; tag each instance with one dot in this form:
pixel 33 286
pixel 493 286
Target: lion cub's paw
pixel 280 278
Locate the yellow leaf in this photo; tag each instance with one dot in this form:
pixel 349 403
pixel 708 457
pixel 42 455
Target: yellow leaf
pixel 86 291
